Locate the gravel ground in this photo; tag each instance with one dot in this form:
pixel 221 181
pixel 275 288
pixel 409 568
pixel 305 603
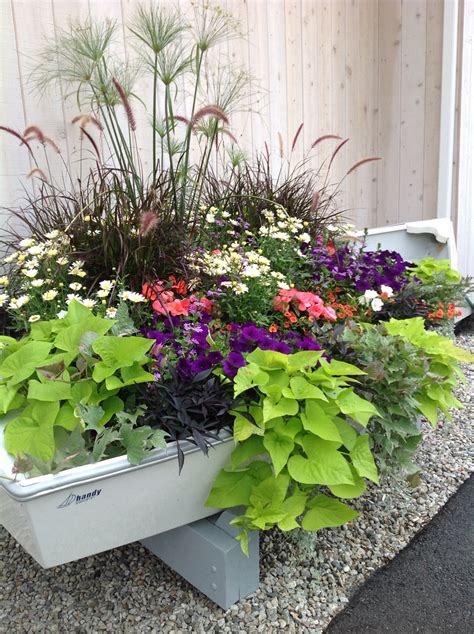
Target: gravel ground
pixel 127 590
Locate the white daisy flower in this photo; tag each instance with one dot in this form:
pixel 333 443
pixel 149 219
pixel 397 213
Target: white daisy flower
pixel 61 314
pixel 74 270
pixel 102 294
pixel 62 261
pixel 130 296
pixel 30 272
pixel 281 235
pixel 251 271
pixel 305 237
pixel 110 313
pixel 4 280
pixel 26 243
pixel 89 303
pixel 240 288
pixel 37 282
pixel 107 285
pixel 75 286
pixel 37 249
pixel 52 234
pixel 34 318
pixel 49 295
pixel 210 218
pixel 10 258
pixel 73 296
pixel 18 302
pixel 3 298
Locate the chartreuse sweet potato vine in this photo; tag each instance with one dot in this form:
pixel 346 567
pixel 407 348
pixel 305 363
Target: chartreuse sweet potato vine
pixel 442 366
pixel 301 429
pixel 62 385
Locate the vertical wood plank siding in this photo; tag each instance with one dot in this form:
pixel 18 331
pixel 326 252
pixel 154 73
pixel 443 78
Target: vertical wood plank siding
pixel 465 171
pixel 369 70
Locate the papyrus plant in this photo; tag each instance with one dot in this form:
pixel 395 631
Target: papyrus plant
pixel 176 54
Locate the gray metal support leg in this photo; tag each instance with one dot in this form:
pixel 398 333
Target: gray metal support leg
pixel 207 555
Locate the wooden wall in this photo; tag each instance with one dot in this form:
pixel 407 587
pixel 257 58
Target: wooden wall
pixel 369 70
pixel 464 175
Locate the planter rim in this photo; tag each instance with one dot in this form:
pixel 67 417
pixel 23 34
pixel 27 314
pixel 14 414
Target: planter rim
pixel 31 488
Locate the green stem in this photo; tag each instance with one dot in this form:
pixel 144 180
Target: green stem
pixel 203 170
pixel 199 58
pixel 155 81
pixel 168 140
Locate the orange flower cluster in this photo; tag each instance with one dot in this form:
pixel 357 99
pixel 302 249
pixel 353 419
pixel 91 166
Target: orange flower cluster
pixel 449 312
pixel 342 310
pixel 162 295
pixel 291 301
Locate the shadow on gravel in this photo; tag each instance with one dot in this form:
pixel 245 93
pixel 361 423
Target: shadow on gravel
pixel 428 587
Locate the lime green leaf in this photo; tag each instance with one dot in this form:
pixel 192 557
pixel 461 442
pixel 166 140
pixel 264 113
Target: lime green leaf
pixel 42 411
pixel 340 368
pixel 243 538
pixel 287 427
pixel 230 488
pixel 318 422
pixel 302 389
pixel 268 359
pixel 284 407
pixel 349 491
pixel 428 408
pixel 326 466
pixel 303 359
pixel 9 398
pixel 270 493
pixel 110 406
pixel 23 362
pixel 40 330
pixel 120 352
pixel 247 449
pixel 49 391
pixel 69 338
pixel 136 374
pixel 326 512
pixel 27 436
pixel 279 377
pixel 279 448
pixel 243 428
pixel 249 376
pixel 66 418
pixel 293 507
pixel 363 460
pixel 356 407
pixel 272 391
pixel 81 391
pixel 113 382
pixel 346 431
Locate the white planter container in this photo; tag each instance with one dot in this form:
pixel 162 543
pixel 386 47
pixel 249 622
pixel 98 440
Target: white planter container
pixel 89 509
